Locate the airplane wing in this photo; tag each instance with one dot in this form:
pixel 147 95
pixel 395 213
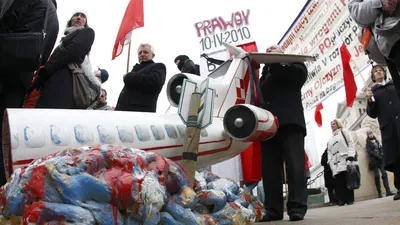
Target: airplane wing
pixel 264 58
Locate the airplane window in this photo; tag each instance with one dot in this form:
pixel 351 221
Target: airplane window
pixel 204 133
pixel 142 133
pixel 171 131
pixel 182 130
pixel 157 132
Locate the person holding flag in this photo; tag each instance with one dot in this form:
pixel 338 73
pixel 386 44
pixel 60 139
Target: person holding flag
pixel 384 105
pixel 281 85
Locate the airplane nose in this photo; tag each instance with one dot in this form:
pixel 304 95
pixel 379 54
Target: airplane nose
pixel 238 122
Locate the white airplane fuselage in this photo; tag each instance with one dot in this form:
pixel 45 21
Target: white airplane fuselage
pixel 37 136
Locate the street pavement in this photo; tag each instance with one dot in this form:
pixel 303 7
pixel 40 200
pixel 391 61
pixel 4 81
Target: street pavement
pixel 383 211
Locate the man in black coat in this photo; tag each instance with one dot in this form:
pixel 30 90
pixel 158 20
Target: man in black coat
pixel 143 84
pixel 186 65
pixel 281 85
pixel 28 17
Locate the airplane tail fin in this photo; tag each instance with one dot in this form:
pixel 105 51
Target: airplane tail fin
pixel 234 87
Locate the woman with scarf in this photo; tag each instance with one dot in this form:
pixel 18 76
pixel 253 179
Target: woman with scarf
pixel 383 103
pixel 55 78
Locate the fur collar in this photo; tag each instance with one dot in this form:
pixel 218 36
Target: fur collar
pixel 72 29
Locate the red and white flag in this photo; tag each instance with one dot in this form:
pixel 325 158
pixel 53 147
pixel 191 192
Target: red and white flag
pixel 133 18
pixel 318 115
pixel 348 76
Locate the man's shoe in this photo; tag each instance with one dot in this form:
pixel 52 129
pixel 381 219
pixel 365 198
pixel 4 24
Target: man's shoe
pixel 268 218
pixel 397 196
pixel 296 217
pixel 389 193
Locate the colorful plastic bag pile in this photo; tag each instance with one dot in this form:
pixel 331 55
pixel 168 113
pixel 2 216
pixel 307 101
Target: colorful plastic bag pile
pixel 121 186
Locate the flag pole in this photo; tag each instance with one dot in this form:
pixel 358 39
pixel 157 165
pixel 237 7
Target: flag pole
pixel 129 57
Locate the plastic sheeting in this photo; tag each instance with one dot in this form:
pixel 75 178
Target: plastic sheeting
pixel 108 185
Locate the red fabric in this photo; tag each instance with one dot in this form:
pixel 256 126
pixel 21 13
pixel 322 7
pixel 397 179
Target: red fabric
pixel 318 115
pixel 308 163
pixel 133 18
pixel 251 162
pixel 251 157
pixel 32 98
pixel 348 76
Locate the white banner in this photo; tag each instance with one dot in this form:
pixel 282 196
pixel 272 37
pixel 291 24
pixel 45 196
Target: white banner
pixel 215 31
pixel 315 32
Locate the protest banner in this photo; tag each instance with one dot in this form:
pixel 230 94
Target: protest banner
pixel 316 31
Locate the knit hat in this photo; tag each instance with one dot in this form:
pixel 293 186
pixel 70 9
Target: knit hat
pixel 103 75
pixel 182 59
pixel 81 11
pixel 369 132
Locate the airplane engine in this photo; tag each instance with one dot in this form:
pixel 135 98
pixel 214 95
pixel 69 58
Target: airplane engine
pixel 249 123
pixel 174 86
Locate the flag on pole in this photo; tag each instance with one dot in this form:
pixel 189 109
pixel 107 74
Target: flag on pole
pixel 318 115
pixel 133 18
pixel 348 76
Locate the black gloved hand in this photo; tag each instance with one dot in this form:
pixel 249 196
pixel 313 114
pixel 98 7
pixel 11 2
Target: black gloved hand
pixel 351 159
pixel 42 77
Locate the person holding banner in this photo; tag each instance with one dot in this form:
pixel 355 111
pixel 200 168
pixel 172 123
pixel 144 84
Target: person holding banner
pixel 281 85
pixel 381 21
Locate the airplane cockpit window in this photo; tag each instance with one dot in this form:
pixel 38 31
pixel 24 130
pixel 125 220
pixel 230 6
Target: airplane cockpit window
pixel 171 131
pixel 157 132
pixel 221 70
pixel 142 133
pixel 181 130
pixel 204 133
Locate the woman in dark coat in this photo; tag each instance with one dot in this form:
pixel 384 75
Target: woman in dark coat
pixel 384 104
pixel 375 153
pixel 330 183
pixel 55 78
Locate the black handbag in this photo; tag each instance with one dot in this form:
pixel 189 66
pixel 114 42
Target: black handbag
pixel 22 52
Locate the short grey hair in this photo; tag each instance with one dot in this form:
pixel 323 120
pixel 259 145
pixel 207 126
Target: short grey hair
pixel 146 44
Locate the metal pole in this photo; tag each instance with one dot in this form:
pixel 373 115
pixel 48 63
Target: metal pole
pixel 284 177
pixel 129 57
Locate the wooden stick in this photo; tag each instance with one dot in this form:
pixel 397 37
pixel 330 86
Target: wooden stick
pixel 192 139
pixel 129 57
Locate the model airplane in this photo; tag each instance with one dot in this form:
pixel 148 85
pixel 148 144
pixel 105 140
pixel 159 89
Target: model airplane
pixel 29 134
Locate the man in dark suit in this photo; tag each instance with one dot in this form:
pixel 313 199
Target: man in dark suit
pixel 281 85
pixel 143 84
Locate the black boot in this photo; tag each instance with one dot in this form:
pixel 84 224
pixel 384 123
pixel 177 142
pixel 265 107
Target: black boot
pixel 378 186
pixel 397 196
pixel 387 187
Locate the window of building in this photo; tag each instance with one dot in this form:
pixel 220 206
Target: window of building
pixel 204 133
pixel 171 131
pixel 181 130
pixel 142 133
pixel 157 132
